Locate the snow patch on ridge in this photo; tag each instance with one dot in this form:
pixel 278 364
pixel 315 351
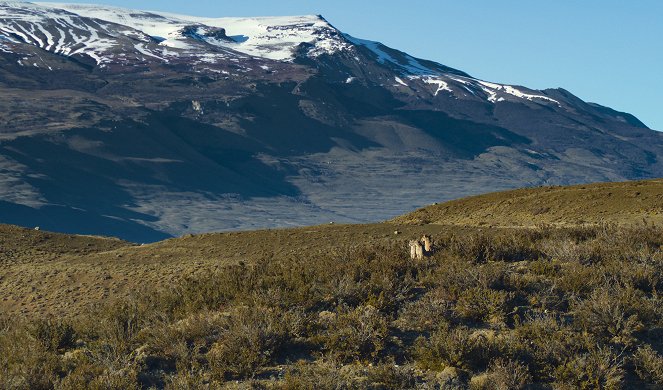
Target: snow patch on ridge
pixel 491 89
pixel 275 38
pixel 56 30
pixel 400 81
pixel 406 62
pixel 441 85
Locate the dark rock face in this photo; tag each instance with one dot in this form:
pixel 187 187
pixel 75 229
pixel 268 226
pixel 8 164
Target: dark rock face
pixel 110 125
pixel 202 33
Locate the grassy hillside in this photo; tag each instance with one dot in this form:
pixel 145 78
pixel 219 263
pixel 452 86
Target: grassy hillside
pixel 622 203
pixel 49 273
pixel 341 306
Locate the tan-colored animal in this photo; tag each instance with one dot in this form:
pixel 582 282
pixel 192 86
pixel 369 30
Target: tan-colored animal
pixel 421 248
pixel 416 250
pixel 428 243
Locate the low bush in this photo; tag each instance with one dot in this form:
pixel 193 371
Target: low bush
pixel 483 304
pixel 600 368
pixel 504 375
pixel 451 347
pixel 649 365
pixel 546 341
pixel 352 335
pixel 54 335
pixel 249 339
pixel 614 313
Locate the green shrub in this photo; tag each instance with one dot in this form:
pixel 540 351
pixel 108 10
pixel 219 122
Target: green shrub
pixel 425 313
pixel 94 377
pixel 483 304
pixel 600 368
pixel 25 363
pixel 119 322
pixel 354 335
pixel 508 375
pixel 325 376
pixel 614 313
pixel 511 246
pixel 649 365
pixel 475 248
pixel 578 280
pixel 544 268
pixel 187 380
pixel 391 376
pixel 450 347
pixel 349 314
pixel 54 335
pixel 249 339
pixel 313 377
pixel 545 341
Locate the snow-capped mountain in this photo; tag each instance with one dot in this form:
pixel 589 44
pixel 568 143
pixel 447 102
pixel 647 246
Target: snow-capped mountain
pixel 143 124
pixel 110 35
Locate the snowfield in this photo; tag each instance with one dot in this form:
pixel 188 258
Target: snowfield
pixel 100 32
pixel 275 38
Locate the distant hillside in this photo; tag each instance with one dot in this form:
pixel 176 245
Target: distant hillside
pixel 622 203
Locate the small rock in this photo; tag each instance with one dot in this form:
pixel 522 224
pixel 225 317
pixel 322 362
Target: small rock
pixel 397 232
pixel 37 228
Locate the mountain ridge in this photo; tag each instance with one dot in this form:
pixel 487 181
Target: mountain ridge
pixel 110 129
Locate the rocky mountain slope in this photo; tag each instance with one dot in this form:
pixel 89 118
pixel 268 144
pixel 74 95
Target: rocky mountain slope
pixel 144 125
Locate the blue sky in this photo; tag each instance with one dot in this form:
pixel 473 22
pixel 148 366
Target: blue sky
pixel 604 51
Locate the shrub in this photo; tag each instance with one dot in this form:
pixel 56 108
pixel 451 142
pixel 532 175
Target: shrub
pixel 483 304
pixel 614 313
pixel 546 342
pixel 118 323
pixel 585 253
pixel 249 339
pixel 187 380
pixel 54 335
pixel 246 322
pixel 313 377
pixel 544 268
pixel 475 248
pixel 511 246
pixel 508 375
pixel 649 365
pixel 450 347
pixel 600 368
pixel 578 280
pixel 425 313
pixel 96 378
pixel 354 335
pixel 180 346
pixel 390 376
pixel 25 363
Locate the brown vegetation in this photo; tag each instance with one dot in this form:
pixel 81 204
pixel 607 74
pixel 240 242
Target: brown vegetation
pixel 491 309
pixel 590 204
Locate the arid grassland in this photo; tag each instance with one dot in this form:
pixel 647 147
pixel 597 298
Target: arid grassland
pixel 336 307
